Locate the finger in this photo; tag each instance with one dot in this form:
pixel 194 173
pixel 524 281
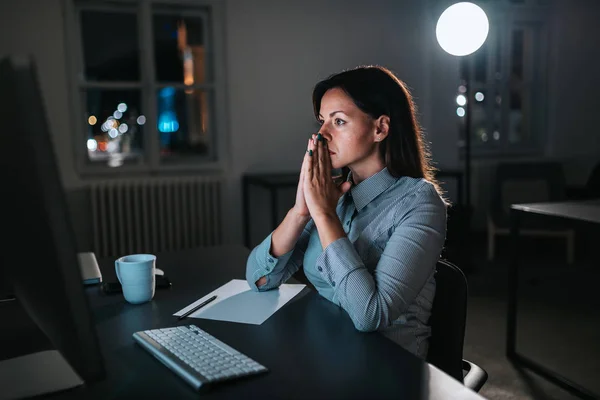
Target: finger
pixel 344 187
pixel 313 159
pixel 307 154
pixel 304 160
pixel 307 166
pixel 316 167
pixel 327 157
pixel 307 158
pixel 324 162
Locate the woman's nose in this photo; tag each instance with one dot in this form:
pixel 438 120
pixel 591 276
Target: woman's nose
pixel 325 134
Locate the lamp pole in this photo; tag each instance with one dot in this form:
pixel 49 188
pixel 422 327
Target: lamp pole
pixel 461 30
pixel 467 78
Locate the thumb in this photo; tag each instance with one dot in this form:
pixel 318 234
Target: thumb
pixel 344 187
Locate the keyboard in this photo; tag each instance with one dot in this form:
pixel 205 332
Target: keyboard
pixel 196 356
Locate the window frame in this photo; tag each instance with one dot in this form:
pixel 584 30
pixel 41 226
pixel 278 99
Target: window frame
pixel 212 12
pixel 504 20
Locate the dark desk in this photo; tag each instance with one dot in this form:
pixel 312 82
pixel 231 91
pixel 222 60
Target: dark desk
pixel 275 181
pixel 578 211
pixel 310 345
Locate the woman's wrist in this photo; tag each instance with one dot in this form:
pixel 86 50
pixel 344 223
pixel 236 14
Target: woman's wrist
pixel 329 227
pixel 325 216
pixel 286 235
pixel 299 217
pixel 326 219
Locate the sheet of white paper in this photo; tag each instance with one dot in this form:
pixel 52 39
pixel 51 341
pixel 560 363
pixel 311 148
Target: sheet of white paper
pixel 236 302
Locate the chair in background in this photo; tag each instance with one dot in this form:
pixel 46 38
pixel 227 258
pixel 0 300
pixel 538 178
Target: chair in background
pixel 592 186
pixel 530 182
pixel 448 320
pixel 590 190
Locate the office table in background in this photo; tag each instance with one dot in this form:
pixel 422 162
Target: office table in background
pixel 579 211
pixel 310 345
pixel 275 181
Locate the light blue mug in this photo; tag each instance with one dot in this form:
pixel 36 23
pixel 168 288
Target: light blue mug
pixel 136 274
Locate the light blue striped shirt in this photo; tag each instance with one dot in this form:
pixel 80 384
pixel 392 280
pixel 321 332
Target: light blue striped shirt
pixel 382 273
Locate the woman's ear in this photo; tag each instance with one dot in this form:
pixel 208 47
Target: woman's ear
pixel 382 128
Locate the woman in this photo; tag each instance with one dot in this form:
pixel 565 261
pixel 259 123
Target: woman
pixel 369 245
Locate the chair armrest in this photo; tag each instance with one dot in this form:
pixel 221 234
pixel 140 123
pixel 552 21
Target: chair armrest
pixel 475 377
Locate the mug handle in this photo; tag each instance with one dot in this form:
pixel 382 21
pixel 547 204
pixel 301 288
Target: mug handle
pixel 117 271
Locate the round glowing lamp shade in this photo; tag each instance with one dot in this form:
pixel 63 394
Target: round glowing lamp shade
pixel 462 29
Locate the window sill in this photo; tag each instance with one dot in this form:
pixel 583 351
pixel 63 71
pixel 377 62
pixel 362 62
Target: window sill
pixel 131 171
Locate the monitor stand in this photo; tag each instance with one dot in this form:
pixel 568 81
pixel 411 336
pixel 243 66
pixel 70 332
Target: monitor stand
pixel 36 374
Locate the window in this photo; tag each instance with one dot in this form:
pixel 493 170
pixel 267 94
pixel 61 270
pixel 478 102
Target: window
pixel 148 91
pixel 508 82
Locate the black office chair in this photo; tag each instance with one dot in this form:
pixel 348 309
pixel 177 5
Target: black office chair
pixel 447 321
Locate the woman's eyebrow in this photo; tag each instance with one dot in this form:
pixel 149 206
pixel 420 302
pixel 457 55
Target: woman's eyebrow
pixel 331 114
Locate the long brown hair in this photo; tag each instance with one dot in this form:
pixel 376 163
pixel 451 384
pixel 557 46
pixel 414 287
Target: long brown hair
pixel 377 91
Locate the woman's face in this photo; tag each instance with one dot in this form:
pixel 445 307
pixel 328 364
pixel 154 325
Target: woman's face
pixel 350 133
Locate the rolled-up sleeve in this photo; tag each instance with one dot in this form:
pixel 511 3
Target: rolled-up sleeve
pixel 373 301
pixel 277 270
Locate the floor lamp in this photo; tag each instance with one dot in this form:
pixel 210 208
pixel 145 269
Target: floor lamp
pixel 461 30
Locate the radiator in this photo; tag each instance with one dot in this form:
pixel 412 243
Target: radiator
pixel 152 215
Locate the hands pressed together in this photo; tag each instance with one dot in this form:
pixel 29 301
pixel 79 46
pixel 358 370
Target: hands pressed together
pixel 317 195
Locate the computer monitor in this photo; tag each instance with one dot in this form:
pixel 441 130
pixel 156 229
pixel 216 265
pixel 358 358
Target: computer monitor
pixel 39 254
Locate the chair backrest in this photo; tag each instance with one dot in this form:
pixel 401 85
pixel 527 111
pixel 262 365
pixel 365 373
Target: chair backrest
pixel 525 182
pixel 448 320
pixel 592 185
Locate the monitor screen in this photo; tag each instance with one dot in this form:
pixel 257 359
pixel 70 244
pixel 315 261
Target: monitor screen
pixel 39 255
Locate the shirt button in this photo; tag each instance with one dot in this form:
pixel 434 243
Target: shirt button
pixel 348 223
pixel 268 268
pixel 269 259
pixel 319 268
pixel 332 283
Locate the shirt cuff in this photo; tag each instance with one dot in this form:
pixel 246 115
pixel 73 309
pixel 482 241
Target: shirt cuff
pixel 338 260
pixel 266 263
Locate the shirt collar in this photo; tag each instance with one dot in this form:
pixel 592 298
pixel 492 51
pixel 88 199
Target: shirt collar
pixel 370 188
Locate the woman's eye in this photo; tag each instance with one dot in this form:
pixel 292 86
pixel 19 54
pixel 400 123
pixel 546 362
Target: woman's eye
pixel 320 122
pixel 339 121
